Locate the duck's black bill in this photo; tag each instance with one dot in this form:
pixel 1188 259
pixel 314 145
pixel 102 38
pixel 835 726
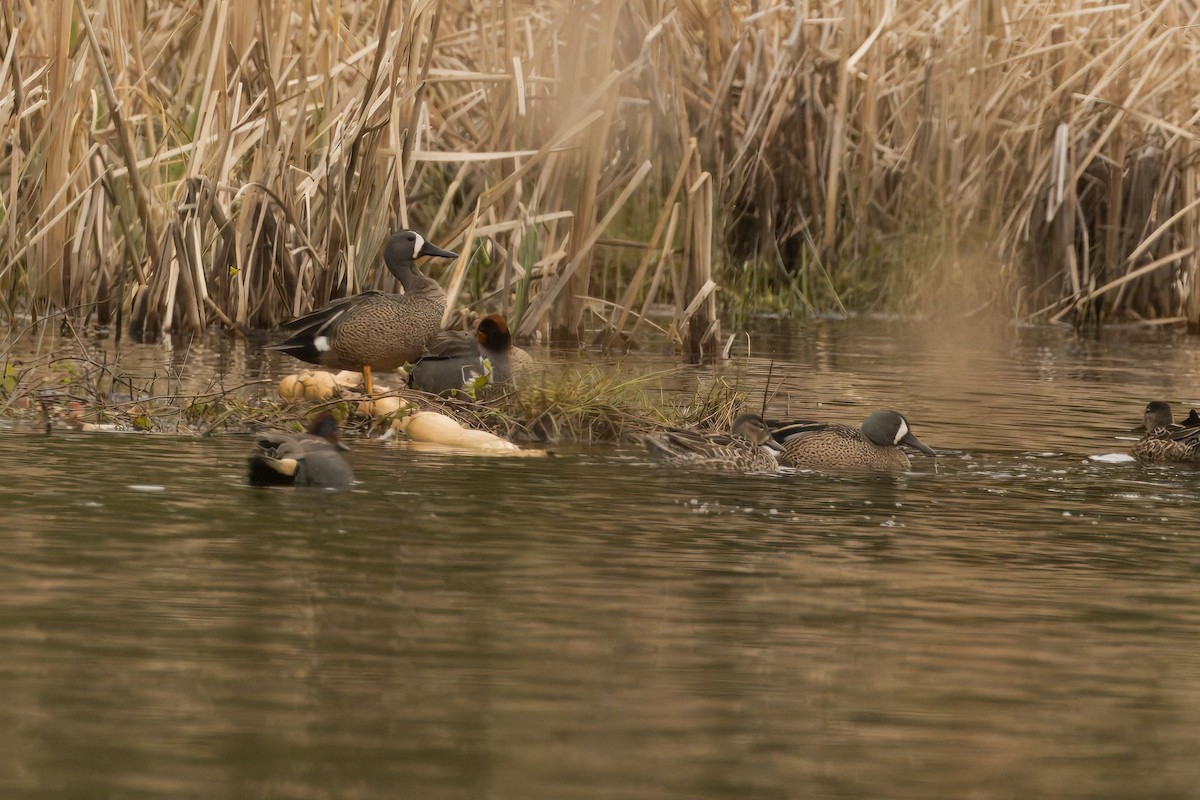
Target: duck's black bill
pixel 428 249
pixel 913 441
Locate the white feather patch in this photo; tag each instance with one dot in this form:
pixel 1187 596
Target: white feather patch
pixel 419 245
pixel 900 434
pixel 321 343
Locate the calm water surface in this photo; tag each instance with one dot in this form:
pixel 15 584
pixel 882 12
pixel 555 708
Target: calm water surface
pixel 1013 620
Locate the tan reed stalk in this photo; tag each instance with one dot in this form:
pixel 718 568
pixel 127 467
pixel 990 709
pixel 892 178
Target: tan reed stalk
pixel 1191 265
pixel 617 322
pixel 837 136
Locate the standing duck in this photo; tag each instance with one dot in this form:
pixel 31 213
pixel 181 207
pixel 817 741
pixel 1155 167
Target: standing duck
pixel 302 459
pixel 1167 441
pixel 374 329
pixel 748 447
pixel 455 360
pixel 875 447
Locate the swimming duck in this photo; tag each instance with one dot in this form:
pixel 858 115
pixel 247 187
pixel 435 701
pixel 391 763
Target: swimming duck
pixel 1167 441
pixel 873 447
pixel 302 459
pixel 748 447
pixel 455 359
pixel 374 329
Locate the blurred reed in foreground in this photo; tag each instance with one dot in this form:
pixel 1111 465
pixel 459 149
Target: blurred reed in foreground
pixel 236 164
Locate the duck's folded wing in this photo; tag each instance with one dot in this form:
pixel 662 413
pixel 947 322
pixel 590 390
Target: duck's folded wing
pixel 453 343
pixel 317 322
pixel 782 431
pixel 1187 431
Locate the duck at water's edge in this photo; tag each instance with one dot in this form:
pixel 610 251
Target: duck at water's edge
pixel 747 448
pixel 875 447
pixel 373 329
pixel 456 359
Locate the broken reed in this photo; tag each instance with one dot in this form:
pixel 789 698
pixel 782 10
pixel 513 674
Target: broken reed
pixel 236 164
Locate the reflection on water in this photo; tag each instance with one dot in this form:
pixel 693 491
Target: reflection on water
pixel 1010 620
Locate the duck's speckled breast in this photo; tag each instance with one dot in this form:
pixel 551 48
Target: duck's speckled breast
pixel 513 366
pixel 838 447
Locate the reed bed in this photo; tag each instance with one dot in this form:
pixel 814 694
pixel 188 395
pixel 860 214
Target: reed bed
pixel 179 166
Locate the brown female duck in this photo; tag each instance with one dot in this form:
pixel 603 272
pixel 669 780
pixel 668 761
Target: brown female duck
pixel 1166 441
pixel 748 447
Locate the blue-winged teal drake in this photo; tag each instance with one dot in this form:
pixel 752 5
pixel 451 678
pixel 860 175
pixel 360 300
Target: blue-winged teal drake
pixel 747 448
pixel 302 459
pixel 456 359
pixel 874 447
pixel 1167 441
pixel 373 329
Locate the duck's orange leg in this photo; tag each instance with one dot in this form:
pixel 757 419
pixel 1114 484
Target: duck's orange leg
pixel 366 370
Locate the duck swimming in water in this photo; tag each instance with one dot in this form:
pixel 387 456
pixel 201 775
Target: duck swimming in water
pixel 875 447
pixel 1166 441
pixel 313 458
pixel 748 447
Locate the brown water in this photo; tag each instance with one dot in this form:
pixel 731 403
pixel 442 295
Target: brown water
pixel 1013 620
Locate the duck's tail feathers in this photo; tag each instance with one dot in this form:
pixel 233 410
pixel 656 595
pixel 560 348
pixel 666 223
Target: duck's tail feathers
pixel 310 339
pixel 663 447
pixel 304 347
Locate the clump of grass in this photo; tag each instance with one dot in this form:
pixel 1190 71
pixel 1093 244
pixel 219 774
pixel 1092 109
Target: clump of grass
pixel 72 382
pixel 601 403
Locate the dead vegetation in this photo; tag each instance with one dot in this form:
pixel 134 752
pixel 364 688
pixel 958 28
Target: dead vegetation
pixel 179 166
pixel 73 383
